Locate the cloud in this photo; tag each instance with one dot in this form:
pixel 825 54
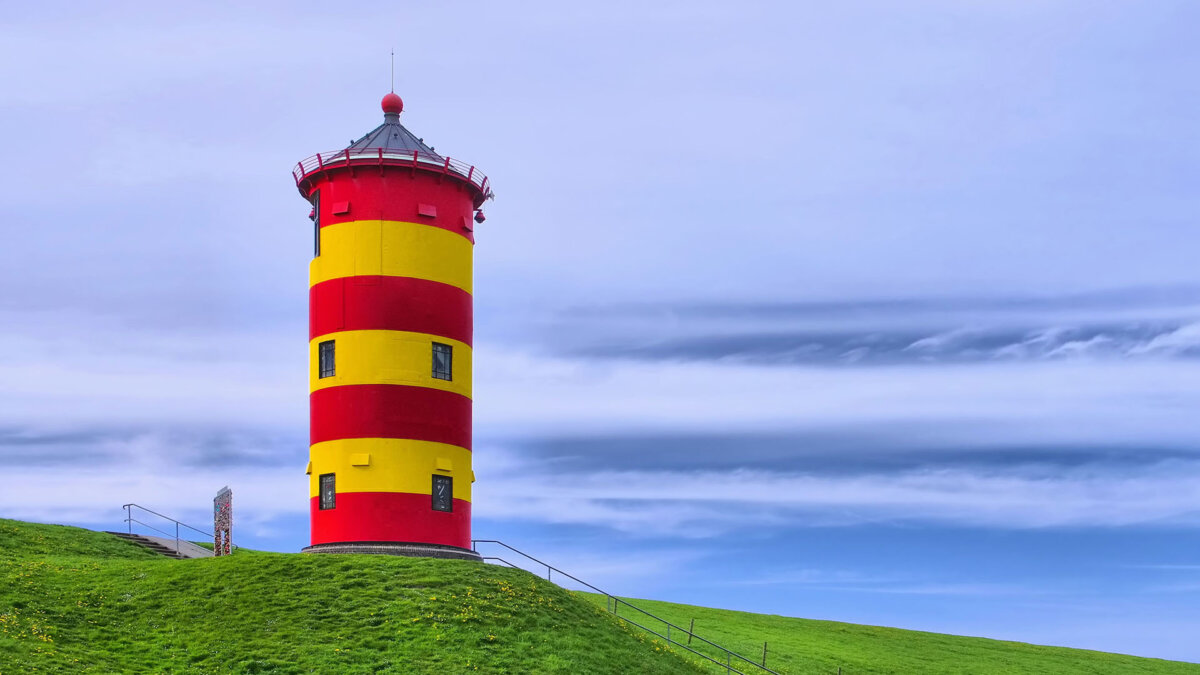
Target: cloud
pixel 1182 341
pixel 825 450
pixel 95 496
pixel 906 583
pixel 161 472
pixel 92 370
pixel 177 448
pixel 707 503
pixel 952 589
pixel 882 333
pixel 693 447
pixel 1184 587
pixel 817 577
pixel 1106 402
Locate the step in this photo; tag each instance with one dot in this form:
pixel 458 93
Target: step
pixel 166 547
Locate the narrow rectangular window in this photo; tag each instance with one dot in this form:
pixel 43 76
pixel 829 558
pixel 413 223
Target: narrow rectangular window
pixel 325 359
pixel 316 218
pixel 328 491
pixel 443 361
pixel 443 493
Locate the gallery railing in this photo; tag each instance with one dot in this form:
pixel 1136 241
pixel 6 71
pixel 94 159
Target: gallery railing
pixel 415 160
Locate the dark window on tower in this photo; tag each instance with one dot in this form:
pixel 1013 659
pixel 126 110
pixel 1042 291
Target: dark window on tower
pixel 325 359
pixel 316 218
pixel 328 491
pixel 443 493
pixel 443 361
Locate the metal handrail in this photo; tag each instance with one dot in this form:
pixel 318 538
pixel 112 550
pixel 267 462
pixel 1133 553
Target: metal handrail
pixel 148 526
pixel 729 668
pixel 729 654
pixel 131 520
pixel 416 159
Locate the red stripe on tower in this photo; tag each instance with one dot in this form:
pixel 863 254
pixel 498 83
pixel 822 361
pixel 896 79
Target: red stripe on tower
pixel 361 517
pixel 389 303
pixel 376 196
pixel 390 411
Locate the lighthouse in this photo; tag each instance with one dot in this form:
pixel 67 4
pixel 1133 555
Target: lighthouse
pixel 390 327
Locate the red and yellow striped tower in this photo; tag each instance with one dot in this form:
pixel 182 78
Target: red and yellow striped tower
pixel 390 322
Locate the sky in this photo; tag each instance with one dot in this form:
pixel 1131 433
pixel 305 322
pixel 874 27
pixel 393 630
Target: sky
pixel 875 312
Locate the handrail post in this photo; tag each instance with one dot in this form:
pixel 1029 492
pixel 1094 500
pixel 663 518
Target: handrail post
pixel 177 536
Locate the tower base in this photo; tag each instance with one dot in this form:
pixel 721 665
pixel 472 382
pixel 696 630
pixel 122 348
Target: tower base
pixel 396 548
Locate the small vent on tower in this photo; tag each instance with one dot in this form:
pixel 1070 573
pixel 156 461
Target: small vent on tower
pixel 427 210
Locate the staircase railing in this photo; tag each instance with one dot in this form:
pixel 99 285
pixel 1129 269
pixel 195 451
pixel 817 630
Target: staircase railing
pixel 733 662
pixel 130 519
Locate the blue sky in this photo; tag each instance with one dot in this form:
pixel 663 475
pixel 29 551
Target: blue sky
pixel 877 312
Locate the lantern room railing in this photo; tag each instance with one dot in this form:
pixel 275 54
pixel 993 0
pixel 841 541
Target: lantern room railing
pixel 415 159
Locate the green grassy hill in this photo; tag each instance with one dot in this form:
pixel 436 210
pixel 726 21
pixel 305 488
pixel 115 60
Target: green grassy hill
pixel 77 601
pixel 809 646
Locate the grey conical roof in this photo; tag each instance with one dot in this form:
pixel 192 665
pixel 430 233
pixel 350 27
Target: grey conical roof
pixel 393 138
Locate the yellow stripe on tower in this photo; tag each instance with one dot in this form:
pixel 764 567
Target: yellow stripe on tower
pixel 392 248
pixel 389 357
pixel 390 465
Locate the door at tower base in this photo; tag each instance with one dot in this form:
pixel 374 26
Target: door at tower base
pixel 390 333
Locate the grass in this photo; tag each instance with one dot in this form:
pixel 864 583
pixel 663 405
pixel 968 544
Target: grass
pixel 808 646
pixel 77 601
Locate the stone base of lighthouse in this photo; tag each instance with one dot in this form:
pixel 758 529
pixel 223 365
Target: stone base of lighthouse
pixel 396 548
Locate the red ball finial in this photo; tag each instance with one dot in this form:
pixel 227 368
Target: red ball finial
pixel 393 104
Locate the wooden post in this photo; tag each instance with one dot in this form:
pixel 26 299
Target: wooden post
pixel 691 630
pixel 764 655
